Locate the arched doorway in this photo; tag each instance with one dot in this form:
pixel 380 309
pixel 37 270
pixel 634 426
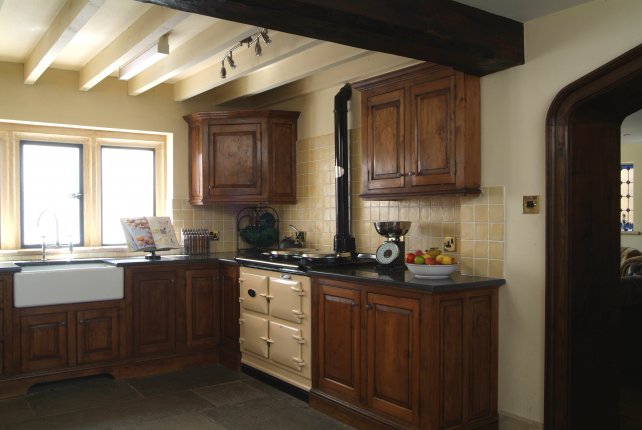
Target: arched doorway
pixel 582 244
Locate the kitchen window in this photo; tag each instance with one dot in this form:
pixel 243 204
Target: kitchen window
pixel 71 184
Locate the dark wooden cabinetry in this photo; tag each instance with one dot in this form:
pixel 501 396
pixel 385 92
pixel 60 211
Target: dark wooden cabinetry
pixel 420 133
pixel 390 357
pixel 6 292
pixel 56 337
pixel 229 284
pixel 43 338
pixel 154 296
pixel 242 156
pixel 98 334
pixel 202 303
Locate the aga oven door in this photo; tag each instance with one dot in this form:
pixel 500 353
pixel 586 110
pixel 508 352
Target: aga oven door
pixel 286 346
pixel 254 291
pixel 286 300
pixel 254 335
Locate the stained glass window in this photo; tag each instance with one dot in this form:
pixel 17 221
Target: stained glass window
pixel 626 197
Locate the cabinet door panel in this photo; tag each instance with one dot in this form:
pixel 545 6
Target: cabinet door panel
pixel 230 307
pixel 202 304
pixel 283 159
pixel 97 335
pixel 393 355
pixel 451 340
pixel 339 334
pixel 44 341
pixel 154 313
pixel 385 128
pixel 432 146
pixel 234 160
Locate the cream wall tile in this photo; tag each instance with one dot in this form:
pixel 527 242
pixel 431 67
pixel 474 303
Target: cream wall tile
pixel 495 268
pixel 481 213
pixel 496 213
pixel 496 250
pixel 481 249
pixel 481 231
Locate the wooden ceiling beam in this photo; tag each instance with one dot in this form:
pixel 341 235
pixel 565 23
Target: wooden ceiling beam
pixel 439 31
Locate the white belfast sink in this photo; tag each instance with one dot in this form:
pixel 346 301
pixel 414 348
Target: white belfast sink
pixel 54 283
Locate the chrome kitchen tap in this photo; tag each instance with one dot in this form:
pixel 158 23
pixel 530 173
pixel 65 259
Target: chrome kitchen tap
pixel 57 244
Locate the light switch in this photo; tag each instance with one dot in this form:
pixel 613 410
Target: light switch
pixel 531 204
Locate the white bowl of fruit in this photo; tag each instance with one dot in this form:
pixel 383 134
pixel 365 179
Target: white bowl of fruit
pixel 431 264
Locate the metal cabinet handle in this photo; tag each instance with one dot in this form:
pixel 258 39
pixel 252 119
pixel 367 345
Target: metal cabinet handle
pixel 286 276
pixel 411 173
pixel 368 306
pixel 81 322
pixel 63 323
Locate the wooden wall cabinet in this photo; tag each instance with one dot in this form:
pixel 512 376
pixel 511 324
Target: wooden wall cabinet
pixel 393 358
pixel 420 133
pixel 242 157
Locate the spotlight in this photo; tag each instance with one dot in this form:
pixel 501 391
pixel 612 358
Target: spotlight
pixel 230 60
pixel 266 38
pixel 223 71
pixel 257 48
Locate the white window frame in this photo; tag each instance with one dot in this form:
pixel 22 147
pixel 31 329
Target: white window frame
pixel 11 134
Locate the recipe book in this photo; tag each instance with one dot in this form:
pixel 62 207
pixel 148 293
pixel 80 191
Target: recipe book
pixel 149 233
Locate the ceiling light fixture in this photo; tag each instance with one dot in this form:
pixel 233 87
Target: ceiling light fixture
pixel 253 39
pixel 146 59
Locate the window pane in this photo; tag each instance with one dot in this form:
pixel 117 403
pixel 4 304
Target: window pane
pixel 127 188
pixel 51 184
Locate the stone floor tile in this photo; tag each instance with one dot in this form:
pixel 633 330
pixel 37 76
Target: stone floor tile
pixel 78 394
pixel 184 380
pixel 190 421
pixel 230 393
pixel 13 410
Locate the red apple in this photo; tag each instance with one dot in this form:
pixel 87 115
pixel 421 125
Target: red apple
pixel 429 261
pixel 419 252
pixel 410 258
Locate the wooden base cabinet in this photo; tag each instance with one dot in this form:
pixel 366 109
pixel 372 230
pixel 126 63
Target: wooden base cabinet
pixel 397 358
pixel 230 313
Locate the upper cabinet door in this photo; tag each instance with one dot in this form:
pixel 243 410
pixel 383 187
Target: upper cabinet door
pixel 384 133
pixel 432 149
pixel 233 160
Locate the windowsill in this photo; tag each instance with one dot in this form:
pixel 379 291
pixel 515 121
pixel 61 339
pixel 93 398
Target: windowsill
pixel 630 233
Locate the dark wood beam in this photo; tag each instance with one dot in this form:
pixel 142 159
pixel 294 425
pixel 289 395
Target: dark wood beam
pixel 439 31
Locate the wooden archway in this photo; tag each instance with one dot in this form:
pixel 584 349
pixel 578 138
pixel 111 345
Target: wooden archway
pixel 582 244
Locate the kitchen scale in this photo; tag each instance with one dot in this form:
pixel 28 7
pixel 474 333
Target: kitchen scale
pixel 392 252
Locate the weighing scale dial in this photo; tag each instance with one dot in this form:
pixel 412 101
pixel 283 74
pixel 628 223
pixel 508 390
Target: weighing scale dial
pixel 387 253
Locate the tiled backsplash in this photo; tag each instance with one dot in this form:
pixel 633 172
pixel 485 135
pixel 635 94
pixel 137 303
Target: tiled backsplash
pixel 476 222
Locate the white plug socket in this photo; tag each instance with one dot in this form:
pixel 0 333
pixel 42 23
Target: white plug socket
pixel 449 244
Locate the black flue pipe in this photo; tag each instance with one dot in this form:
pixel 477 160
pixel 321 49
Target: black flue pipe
pixel 343 240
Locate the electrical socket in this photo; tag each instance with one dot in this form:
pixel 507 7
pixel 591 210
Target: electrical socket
pixel 449 244
pixel 214 235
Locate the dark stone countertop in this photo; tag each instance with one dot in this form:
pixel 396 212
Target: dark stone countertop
pixel 225 257
pixel 404 278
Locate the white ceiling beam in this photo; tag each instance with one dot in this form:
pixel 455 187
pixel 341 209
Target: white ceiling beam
pixel 219 37
pixel 314 60
pixel 70 20
pixel 283 45
pixel 363 67
pixel 142 34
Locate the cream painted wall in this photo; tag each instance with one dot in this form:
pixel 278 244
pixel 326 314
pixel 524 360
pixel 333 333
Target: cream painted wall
pixel 560 48
pixel 55 98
